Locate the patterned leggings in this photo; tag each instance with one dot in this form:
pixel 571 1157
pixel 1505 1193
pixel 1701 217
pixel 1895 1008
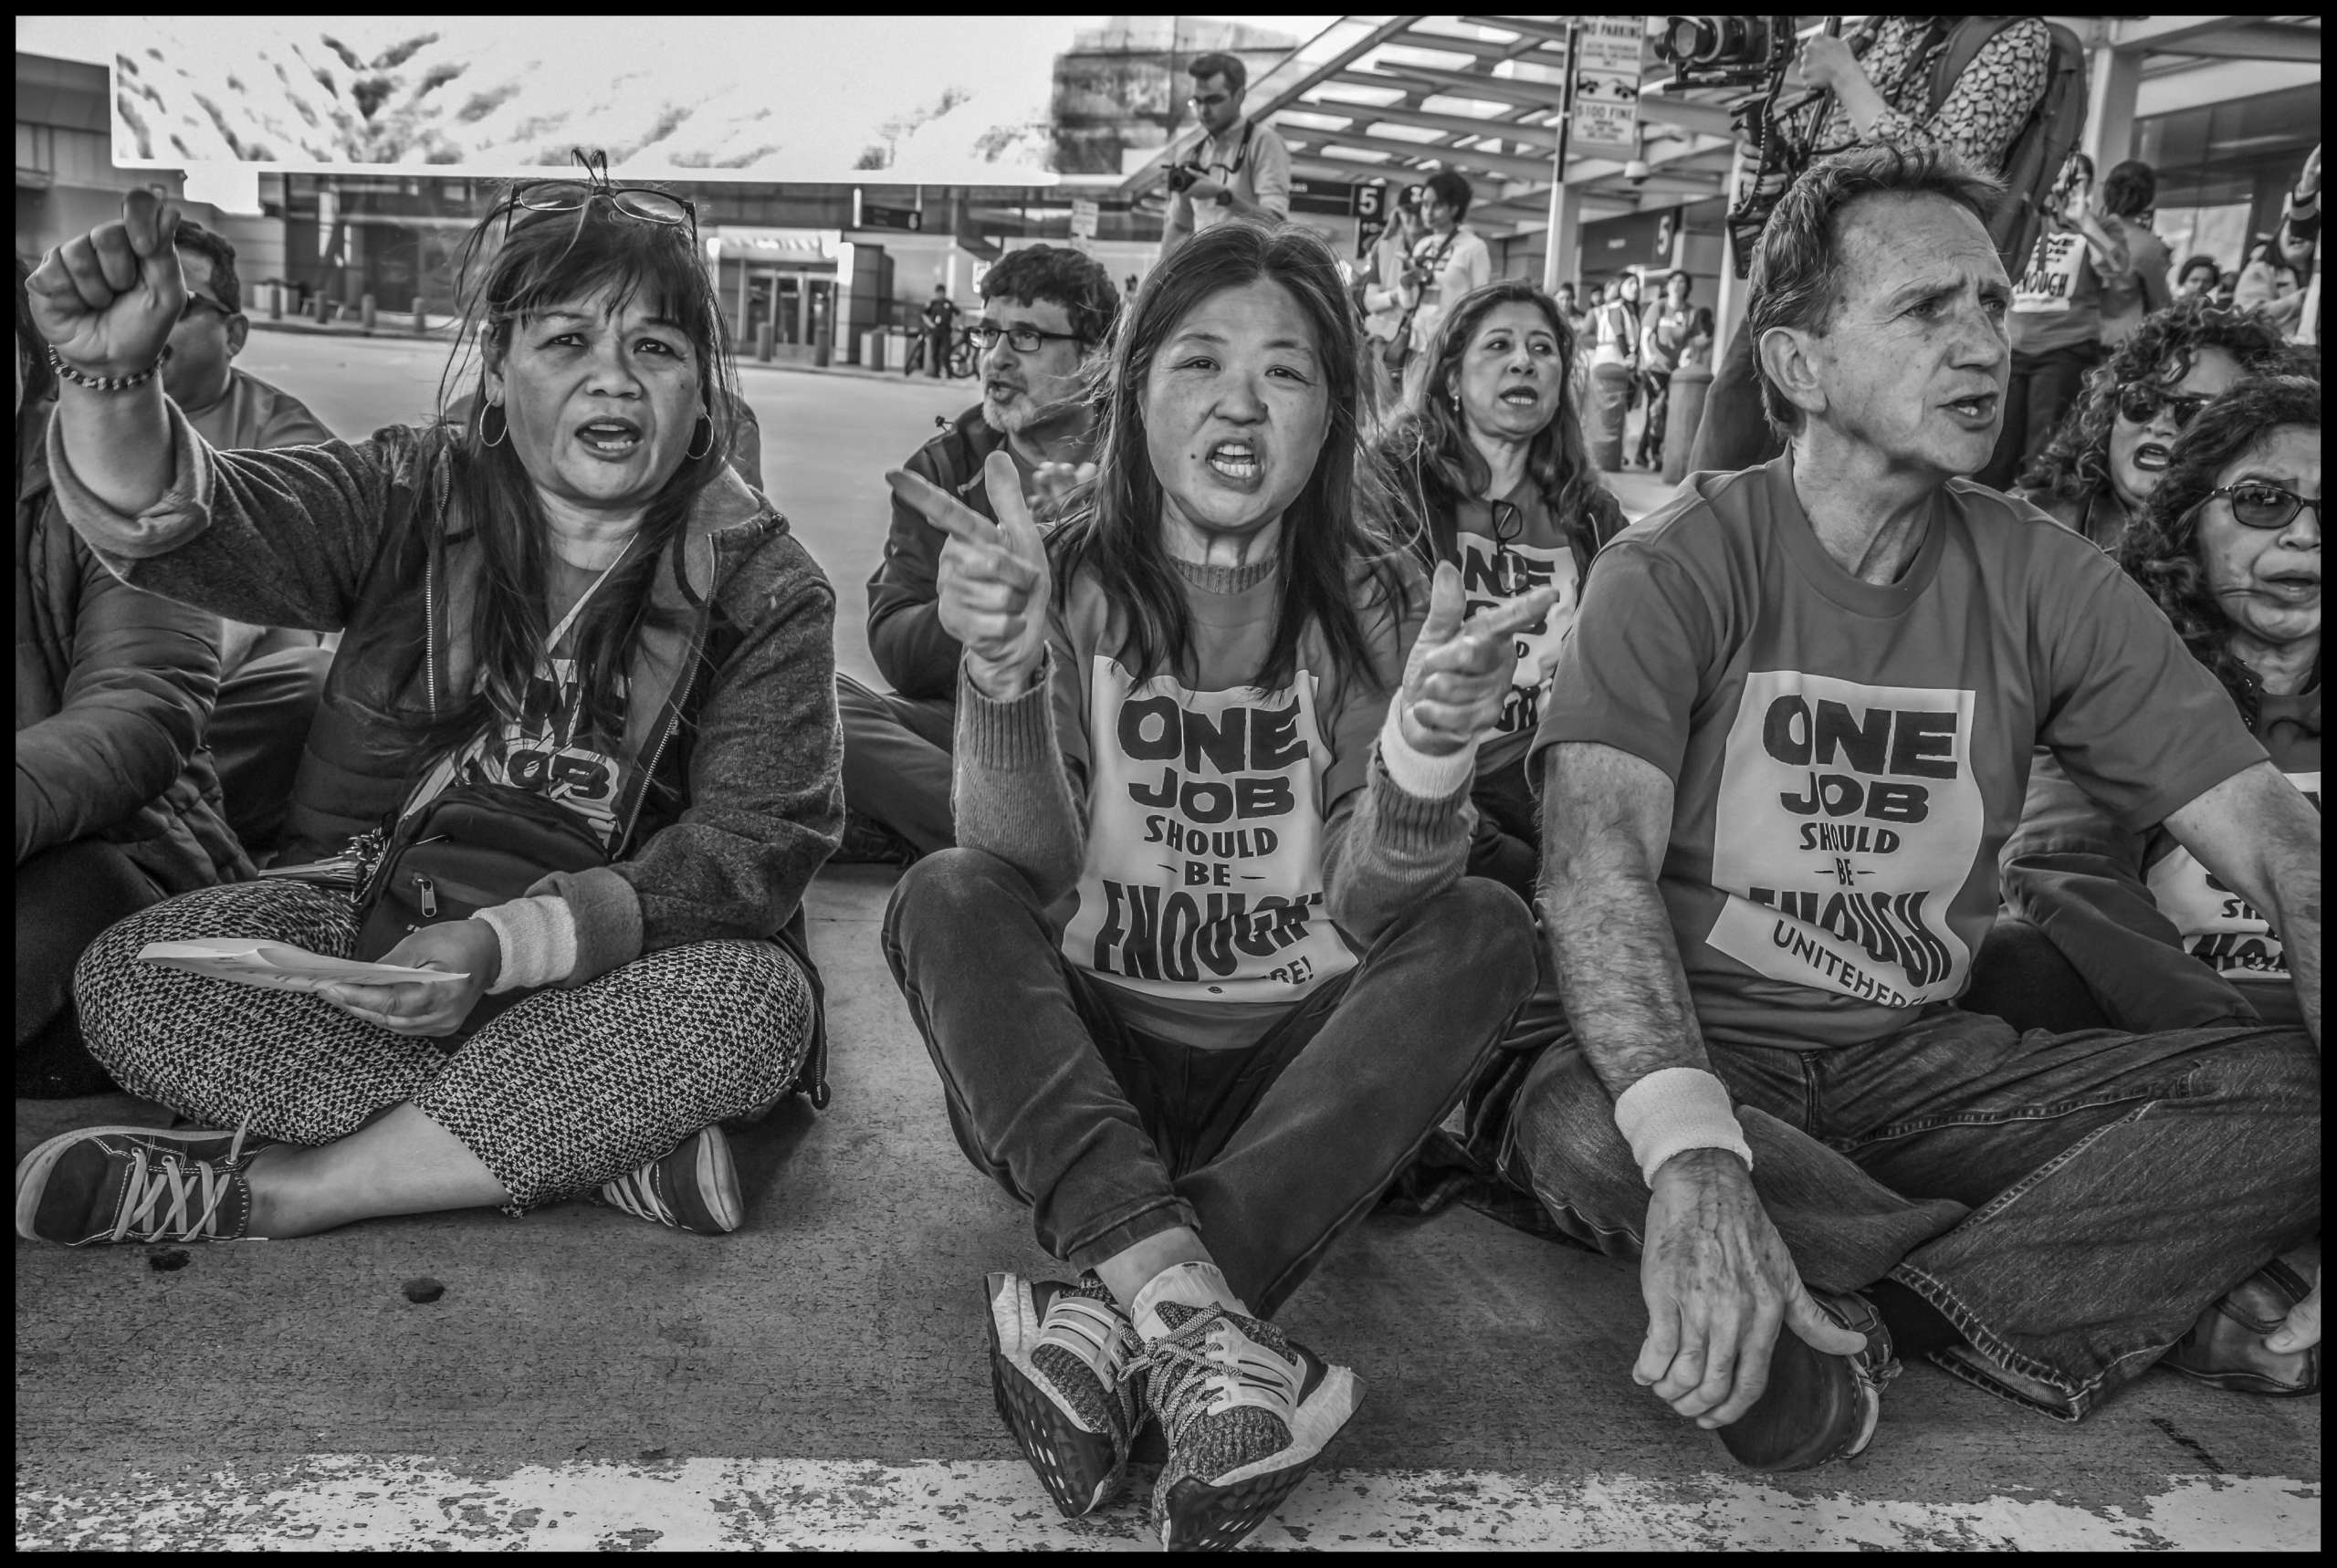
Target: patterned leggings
pixel 563 1092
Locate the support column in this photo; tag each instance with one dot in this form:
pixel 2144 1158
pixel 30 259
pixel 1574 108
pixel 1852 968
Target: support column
pixel 1562 256
pixel 2113 78
pixel 1729 313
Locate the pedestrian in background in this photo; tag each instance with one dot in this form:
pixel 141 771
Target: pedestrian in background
pixel 1238 168
pixel 1664 330
pixel 2129 204
pixel 1448 261
pixel 2055 320
pixel 1384 327
pixel 939 318
pixel 2198 280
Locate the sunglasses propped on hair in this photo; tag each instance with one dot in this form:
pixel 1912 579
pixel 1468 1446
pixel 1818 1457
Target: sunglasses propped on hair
pixel 645 202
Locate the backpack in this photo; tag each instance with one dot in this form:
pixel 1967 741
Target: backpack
pixel 2033 161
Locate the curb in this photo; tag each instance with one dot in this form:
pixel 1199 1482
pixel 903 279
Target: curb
pixel 437 335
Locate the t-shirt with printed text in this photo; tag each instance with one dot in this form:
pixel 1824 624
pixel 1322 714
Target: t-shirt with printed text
pixel 1848 757
pixel 1505 550
pixel 1201 900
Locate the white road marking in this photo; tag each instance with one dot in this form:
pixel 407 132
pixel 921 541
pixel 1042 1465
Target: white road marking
pixel 420 1503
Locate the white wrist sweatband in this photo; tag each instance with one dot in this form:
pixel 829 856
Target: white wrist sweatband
pixel 1416 773
pixel 537 937
pixel 1673 1110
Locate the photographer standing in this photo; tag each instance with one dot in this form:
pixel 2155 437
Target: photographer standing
pixel 1877 90
pixel 1238 168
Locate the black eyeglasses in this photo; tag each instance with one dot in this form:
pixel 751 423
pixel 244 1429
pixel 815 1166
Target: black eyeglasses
pixel 643 202
pixel 2257 504
pixel 2140 403
pixel 198 303
pixel 1022 339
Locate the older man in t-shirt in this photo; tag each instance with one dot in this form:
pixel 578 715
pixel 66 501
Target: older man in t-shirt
pixel 1779 754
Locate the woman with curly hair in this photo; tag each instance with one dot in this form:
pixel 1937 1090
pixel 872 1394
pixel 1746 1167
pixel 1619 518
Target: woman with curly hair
pixel 1491 453
pixel 2115 446
pixel 2230 546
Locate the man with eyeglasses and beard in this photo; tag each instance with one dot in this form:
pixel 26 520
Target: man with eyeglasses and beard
pixel 1046 311
pixel 1239 170
pixel 270 677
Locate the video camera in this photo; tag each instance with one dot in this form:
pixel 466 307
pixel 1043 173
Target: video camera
pixel 1726 51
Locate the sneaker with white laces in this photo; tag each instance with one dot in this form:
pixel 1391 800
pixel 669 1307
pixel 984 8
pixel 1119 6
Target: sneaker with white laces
pixel 692 1186
pixel 1066 1367
pixel 1246 1410
pixel 106 1185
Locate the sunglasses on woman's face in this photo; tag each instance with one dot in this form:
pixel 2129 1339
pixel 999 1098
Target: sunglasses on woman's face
pixel 2139 404
pixel 2257 504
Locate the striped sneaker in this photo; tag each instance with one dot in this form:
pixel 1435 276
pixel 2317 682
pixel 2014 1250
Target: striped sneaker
pixel 1067 1366
pixel 1246 1411
pixel 106 1185
pixel 692 1186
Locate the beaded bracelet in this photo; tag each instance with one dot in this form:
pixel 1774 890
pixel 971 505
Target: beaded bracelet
pixel 106 383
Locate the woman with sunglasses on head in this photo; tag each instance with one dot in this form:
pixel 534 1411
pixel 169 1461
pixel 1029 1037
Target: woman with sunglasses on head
pixel 1204 972
pixel 2230 546
pixel 1492 457
pixel 2112 448
pixel 573 599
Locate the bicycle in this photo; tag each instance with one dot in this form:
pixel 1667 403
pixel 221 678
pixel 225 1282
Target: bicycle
pixel 964 359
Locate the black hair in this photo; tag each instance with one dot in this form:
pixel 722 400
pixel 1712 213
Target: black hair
pixel 2130 189
pixel 1452 188
pixel 215 248
pixel 1230 67
pixel 1339 547
pixel 549 259
pixel 1058 275
pixel 2160 550
pixel 1428 449
pixel 2076 462
pixel 2215 269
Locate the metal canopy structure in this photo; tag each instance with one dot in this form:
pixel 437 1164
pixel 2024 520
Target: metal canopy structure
pixel 1399 96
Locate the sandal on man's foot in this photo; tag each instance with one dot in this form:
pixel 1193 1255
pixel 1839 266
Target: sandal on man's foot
pixel 105 1185
pixel 692 1186
pixel 2226 1347
pixel 1817 1407
pixel 1067 1371
pixel 1246 1410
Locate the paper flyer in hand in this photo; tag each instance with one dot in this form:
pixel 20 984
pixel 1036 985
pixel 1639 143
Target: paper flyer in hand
pixel 280 966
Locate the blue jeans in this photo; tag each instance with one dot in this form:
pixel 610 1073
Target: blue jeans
pixel 1110 1136
pixel 2070 1203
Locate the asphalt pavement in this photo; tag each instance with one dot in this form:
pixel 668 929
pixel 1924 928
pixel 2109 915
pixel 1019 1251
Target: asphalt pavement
pixel 579 1378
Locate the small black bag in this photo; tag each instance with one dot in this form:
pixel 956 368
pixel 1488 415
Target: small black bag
pixel 472 847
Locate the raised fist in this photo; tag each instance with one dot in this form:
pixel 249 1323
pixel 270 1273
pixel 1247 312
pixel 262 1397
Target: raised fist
pixel 106 300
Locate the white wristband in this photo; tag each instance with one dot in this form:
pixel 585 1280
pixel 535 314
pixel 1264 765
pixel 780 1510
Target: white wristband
pixel 1673 1110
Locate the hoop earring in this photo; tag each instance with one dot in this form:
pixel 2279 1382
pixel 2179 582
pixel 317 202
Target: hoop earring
pixel 485 439
pixel 705 422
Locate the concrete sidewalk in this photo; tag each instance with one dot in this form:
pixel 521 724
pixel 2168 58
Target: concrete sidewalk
pixel 819 1378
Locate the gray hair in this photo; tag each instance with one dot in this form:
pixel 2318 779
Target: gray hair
pixel 1797 274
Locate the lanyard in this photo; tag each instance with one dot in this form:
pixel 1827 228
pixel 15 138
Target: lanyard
pixel 1241 153
pixel 577 608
